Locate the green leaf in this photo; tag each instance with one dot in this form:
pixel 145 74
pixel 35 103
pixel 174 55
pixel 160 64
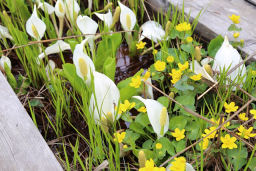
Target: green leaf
pixel 167 145
pixel 193 129
pixel 188 100
pixel 10 78
pixel 178 122
pixel 126 117
pixel 148 153
pixel 214 45
pixel 182 84
pixel 164 101
pixel 239 157
pixel 136 127
pixel 233 27
pixel 147 144
pixel 179 145
pixel 142 119
pixel 252 164
pixel 36 103
pixel 131 137
pixel 189 48
pixel 109 68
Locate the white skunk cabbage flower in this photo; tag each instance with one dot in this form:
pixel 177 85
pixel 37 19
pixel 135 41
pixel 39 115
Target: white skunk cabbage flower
pixel 127 17
pixel 49 68
pixel 35 27
pixel 46 7
pixel 107 18
pixel 83 63
pixel 153 31
pixel 57 47
pixel 189 167
pixel 60 9
pixel 5 59
pixel 228 57
pixel 72 9
pixel 4 33
pixel 198 69
pixel 157 115
pixel 106 98
pixel 87 26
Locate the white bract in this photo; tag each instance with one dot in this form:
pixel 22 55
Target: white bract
pixel 153 31
pixel 57 47
pixel 60 9
pixel 127 17
pixel 83 63
pixel 46 7
pixel 228 57
pixel 106 98
pixel 189 167
pixel 155 112
pixel 149 89
pixel 198 69
pixel 107 18
pixel 49 68
pixel 4 33
pixel 72 9
pixel 5 60
pixel 87 26
pixel 35 27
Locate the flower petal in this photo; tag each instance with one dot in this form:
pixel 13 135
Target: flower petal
pixel 149 89
pixel 35 27
pixel 57 47
pixel 154 109
pixel 198 69
pixel 127 17
pixel 46 6
pixel 153 31
pixel 189 167
pixel 60 9
pixel 49 68
pixel 5 59
pixel 107 97
pixel 86 25
pixel 107 18
pixel 4 33
pixel 72 9
pixel 206 61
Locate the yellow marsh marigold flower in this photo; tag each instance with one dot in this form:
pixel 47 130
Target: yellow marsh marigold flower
pixel 136 82
pixel 142 109
pixel 218 122
pixel 141 45
pixel 234 18
pixel 230 107
pixel 154 52
pixel 189 39
pixel 183 67
pixel 119 137
pixel 253 112
pixel 176 75
pixel 253 72
pixel 147 75
pixel 228 142
pixel 150 165
pixel 178 134
pixel 243 117
pixel 204 144
pixel 196 77
pixel 236 35
pixel 125 146
pixel 183 27
pixel 158 146
pixel 160 65
pixel 245 133
pixel 179 164
pixel 207 131
pixel 126 106
pixel 170 59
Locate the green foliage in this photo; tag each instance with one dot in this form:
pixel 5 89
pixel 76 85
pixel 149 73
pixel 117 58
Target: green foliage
pixel 109 68
pixel 214 45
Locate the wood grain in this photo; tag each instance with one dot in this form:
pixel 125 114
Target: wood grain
pixel 21 145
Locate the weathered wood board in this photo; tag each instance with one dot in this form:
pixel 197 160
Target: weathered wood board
pixel 214 18
pixel 21 145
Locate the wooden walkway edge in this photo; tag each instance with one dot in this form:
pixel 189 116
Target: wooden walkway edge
pixel 21 145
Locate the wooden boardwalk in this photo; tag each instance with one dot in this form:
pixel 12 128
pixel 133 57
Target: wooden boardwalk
pixel 22 148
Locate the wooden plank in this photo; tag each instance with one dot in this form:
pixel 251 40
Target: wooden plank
pixel 21 145
pixel 214 18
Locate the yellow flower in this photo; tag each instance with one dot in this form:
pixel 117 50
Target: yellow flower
pixel 150 166
pixel 235 18
pixel 125 146
pixel 204 144
pixel 196 77
pixel 178 134
pixel 154 52
pixel 236 35
pixel 160 66
pixel 170 59
pixel 183 67
pixel 142 109
pixel 136 82
pixel 228 142
pixel 189 39
pixel 179 164
pixel 141 45
pixel 183 27
pixel 245 133
pixel 147 75
pixel 207 131
pixel 218 122
pixel 158 146
pixel 253 112
pixel 243 117
pixel 119 137
pixel 253 72
pixel 176 75
pixel 126 106
pixel 230 107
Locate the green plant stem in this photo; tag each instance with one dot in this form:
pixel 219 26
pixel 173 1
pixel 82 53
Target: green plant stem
pixel 61 24
pixel 54 23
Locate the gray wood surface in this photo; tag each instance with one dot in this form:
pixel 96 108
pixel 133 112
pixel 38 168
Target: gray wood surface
pixel 214 19
pixel 22 148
